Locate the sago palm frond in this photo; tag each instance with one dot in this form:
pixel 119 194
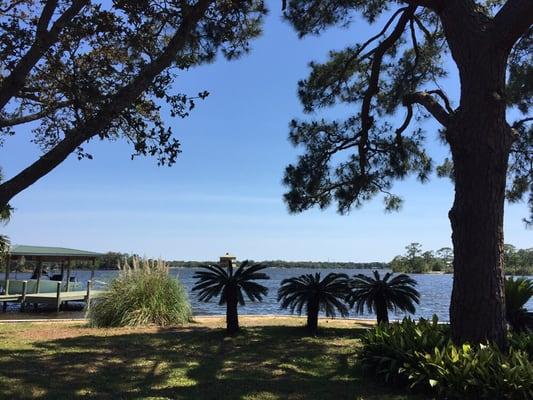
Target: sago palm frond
pixel 215 281
pixel 394 293
pixel 517 294
pixel 296 294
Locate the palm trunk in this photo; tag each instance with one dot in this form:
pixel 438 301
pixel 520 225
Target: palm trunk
pixel 232 316
pixel 312 315
pixel 382 314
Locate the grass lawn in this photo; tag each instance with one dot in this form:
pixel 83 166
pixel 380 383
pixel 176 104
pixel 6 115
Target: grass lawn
pixel 271 359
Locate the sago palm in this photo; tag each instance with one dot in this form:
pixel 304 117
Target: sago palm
pixel 311 293
pixel 231 285
pixel 378 295
pixel 517 294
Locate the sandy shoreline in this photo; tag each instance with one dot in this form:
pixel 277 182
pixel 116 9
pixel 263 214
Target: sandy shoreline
pixel 208 320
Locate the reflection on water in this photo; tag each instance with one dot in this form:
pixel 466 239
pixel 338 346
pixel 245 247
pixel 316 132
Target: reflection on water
pixel 435 290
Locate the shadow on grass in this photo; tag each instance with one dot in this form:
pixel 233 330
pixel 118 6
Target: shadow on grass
pixel 272 362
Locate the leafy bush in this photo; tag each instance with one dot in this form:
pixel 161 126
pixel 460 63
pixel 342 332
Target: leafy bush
pixel 422 357
pixel 459 372
pixel 517 294
pixel 143 293
pixel 385 349
pixel 522 342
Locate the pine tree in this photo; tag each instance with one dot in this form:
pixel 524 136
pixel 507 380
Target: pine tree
pixel 397 71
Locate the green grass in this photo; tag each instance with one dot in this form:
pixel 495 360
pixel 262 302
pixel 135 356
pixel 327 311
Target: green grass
pixel 194 362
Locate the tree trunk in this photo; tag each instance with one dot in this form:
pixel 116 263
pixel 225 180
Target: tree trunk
pixel 312 316
pixel 40 168
pixel 480 141
pixel 232 316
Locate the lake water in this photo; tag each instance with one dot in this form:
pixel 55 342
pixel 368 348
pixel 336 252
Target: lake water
pixel 435 291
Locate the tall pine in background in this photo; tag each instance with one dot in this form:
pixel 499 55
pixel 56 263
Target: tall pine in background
pixel 397 72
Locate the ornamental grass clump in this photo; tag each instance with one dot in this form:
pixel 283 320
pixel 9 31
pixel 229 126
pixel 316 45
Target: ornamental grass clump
pixel 143 293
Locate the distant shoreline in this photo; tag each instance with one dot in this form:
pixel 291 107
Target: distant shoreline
pixel 80 268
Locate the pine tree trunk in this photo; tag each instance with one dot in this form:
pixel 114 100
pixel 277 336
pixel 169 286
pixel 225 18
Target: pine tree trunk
pixel 480 141
pixel 232 316
pixel 312 316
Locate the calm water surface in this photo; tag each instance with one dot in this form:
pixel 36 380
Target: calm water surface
pixel 435 290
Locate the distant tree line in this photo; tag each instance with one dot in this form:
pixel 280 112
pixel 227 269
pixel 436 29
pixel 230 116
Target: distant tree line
pixel 518 261
pixel 110 261
pixel 293 264
pixel 416 260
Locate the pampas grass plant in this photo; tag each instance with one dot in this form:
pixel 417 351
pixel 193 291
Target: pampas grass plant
pixel 143 293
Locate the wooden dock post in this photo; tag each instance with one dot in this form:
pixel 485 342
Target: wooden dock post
pixel 24 292
pixel 58 298
pixel 8 269
pixel 88 297
pixel 7 260
pixel 6 290
pixel 39 273
pixel 62 266
pixel 69 266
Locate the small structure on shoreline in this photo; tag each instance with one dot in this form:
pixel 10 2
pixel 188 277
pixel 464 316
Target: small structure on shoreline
pixel 227 260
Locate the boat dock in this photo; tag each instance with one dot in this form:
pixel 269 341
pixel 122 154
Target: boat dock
pixel 55 292
pixel 55 299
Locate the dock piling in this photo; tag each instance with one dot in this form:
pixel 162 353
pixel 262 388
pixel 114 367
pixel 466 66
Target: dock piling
pixel 88 297
pixel 6 292
pixel 58 294
pixel 24 292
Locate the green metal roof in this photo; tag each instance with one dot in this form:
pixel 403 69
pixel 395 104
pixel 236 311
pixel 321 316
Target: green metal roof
pixel 40 251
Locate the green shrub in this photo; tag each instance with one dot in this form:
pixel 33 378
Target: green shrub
pixel 422 357
pixel 459 372
pixel 523 342
pixel 142 294
pixel 386 349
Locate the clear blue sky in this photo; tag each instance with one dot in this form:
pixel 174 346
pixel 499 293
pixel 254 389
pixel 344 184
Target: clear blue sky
pixel 225 192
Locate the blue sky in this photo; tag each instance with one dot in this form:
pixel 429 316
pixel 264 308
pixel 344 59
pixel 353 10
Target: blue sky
pixel 225 192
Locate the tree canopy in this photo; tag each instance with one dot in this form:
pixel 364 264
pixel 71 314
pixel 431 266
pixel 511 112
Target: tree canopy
pixel 417 261
pixel 104 70
pixel 397 72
